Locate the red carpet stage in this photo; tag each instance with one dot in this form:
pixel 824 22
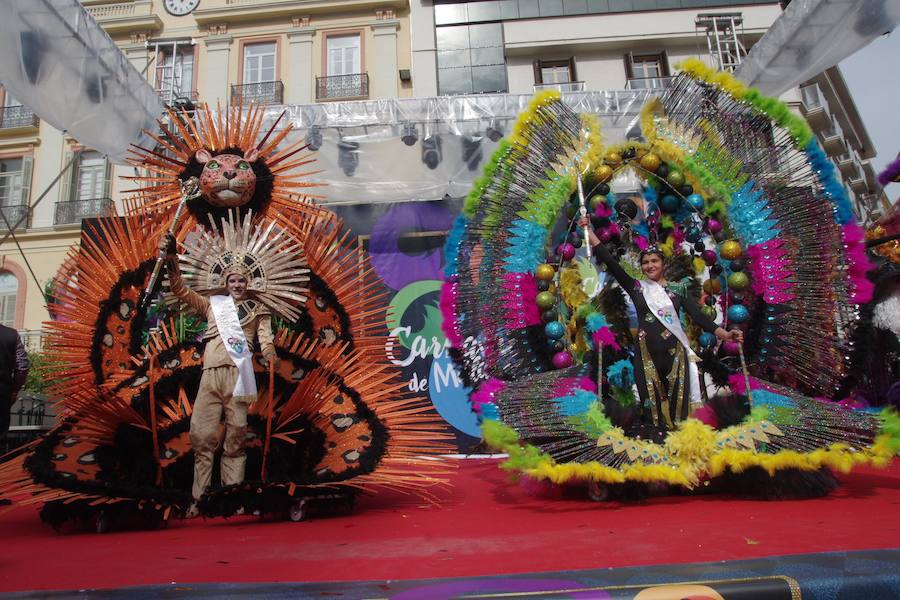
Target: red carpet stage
pixel 485 526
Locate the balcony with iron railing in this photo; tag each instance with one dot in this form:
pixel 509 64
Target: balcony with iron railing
pixel 264 92
pixel 17 117
pixel 342 87
pixel 14 214
pixel 569 86
pixel 648 83
pixel 73 211
pixel 814 107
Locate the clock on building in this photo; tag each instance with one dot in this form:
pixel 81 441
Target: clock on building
pixel 180 7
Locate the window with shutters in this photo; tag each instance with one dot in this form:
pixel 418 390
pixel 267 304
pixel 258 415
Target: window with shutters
pixel 86 191
pixel 557 74
pixel 15 184
pixel 647 71
pixel 9 288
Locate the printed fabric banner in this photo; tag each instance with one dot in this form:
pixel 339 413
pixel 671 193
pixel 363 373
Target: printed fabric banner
pixel 405 242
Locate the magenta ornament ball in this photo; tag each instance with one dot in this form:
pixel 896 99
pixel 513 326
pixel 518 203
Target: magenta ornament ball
pixel 566 251
pixel 731 348
pixel 709 257
pixel 714 226
pixel 562 360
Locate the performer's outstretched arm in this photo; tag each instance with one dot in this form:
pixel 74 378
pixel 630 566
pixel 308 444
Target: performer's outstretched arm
pixel 266 339
pixel 181 291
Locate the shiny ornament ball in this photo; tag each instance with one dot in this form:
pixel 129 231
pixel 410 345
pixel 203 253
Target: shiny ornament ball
pixel 543 285
pixel 710 286
pixel 613 158
pixel 577 241
pixel 738 281
pixel 545 271
pixel 562 360
pixel 699 246
pixel 597 200
pixel 554 330
pixel 545 300
pixel 626 208
pixel 663 170
pixel 650 162
pixel 603 174
pixel 716 270
pixel 558 346
pixel 738 264
pixel 709 257
pixel 738 313
pixel 709 311
pixel 603 189
pixel 549 315
pixel 669 203
pixel 696 201
pixel 566 251
pixel 710 300
pixel 731 348
pixel 714 226
pixel 628 153
pixel 675 178
pixel 730 249
pixel 707 340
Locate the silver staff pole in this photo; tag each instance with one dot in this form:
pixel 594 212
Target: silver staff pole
pixel 582 208
pixel 190 189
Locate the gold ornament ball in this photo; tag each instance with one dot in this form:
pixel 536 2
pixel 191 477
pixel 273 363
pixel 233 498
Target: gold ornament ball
pixel 650 162
pixel 738 281
pixel 712 286
pixel 545 300
pixel 613 158
pixel 603 173
pixel 709 311
pixel 545 272
pixel 730 250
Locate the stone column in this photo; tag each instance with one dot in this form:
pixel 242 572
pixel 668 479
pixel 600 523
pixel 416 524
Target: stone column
pixel 384 78
pixel 423 47
pixel 299 86
pixel 218 50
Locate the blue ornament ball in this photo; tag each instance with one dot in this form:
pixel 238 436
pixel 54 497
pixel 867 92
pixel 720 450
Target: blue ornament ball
pixel 670 203
pixel 707 340
pixel 554 330
pixel 696 201
pixel 738 313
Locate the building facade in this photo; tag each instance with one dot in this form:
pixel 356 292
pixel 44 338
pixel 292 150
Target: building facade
pixel 304 52
pixel 264 51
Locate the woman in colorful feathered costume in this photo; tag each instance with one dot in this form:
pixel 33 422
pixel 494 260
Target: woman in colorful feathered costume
pixel 665 365
pixel 735 185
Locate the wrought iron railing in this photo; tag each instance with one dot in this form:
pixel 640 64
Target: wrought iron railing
pixel 17 116
pixel 14 213
pixel 334 87
pixel 265 92
pixel 648 83
pixel 74 211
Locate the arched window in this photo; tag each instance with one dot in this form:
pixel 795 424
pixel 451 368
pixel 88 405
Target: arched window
pixel 9 287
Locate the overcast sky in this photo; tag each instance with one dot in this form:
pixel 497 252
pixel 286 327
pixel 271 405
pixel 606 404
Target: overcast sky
pixel 873 76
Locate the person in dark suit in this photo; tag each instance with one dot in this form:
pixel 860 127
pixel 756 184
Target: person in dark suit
pixel 14 367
